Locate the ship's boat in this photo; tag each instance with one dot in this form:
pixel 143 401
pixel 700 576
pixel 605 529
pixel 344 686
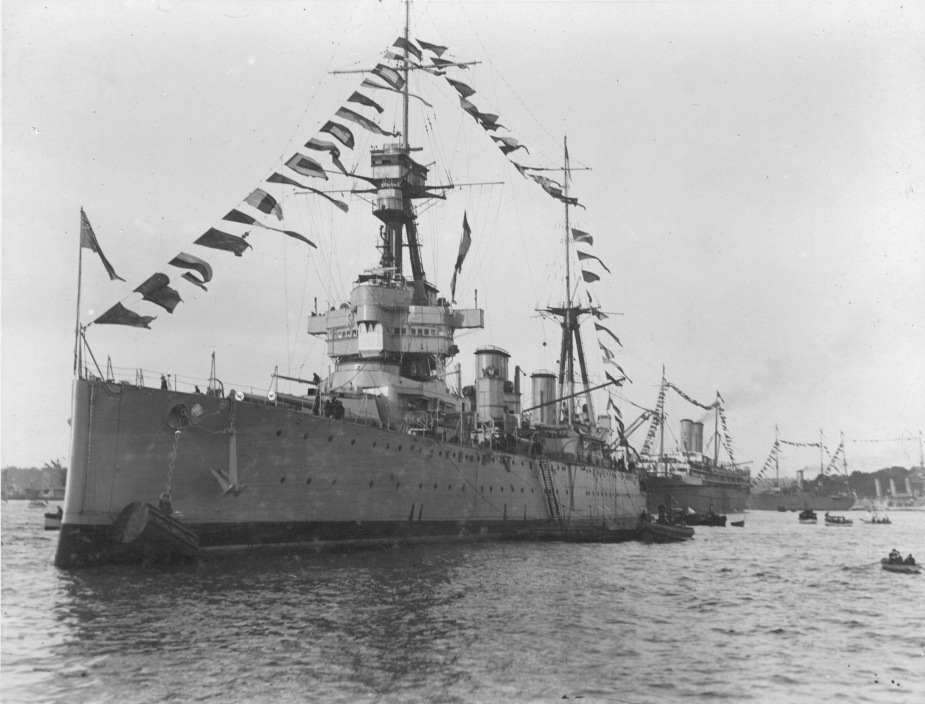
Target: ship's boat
pixel 900 567
pixel 808 516
pixel 693 473
pixel 53 519
pixel 877 520
pixel 389 447
pixel 838 521
pixel 654 532
pixel 708 519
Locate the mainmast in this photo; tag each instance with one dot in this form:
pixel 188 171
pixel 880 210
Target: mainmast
pixel 821 454
pixel 777 454
pixel 571 324
pixel 661 428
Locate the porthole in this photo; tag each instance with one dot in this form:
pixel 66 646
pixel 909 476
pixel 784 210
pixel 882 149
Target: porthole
pixel 353 442
pixel 308 481
pixel 330 438
pixel 370 485
pixel 333 482
pixel 421 485
pixel 435 487
pixel 399 448
pixel 278 433
pixel 282 480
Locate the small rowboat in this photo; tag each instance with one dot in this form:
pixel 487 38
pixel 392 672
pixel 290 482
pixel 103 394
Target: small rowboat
pixel 900 567
pixel 651 532
pixel 53 520
pixel 838 521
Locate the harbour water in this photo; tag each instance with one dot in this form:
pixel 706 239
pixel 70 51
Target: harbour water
pixel 772 612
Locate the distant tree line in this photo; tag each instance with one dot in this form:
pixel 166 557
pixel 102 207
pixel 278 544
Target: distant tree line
pixel 46 482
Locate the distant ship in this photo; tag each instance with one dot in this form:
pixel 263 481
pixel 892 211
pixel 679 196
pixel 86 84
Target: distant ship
pixel 391 447
pixel 688 479
pixel 796 497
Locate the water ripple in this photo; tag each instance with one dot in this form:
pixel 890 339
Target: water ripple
pixel 773 612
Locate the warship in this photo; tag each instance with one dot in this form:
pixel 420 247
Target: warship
pixel 392 446
pixel 798 496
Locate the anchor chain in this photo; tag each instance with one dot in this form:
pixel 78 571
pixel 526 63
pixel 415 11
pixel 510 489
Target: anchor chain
pixel 164 500
pixel 194 422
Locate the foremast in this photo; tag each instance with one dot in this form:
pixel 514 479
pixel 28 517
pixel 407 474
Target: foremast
pixel 392 339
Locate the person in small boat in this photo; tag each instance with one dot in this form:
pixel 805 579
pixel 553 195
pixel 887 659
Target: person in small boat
pixel 909 560
pixel 895 557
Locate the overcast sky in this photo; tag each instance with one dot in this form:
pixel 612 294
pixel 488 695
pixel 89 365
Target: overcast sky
pixel 756 182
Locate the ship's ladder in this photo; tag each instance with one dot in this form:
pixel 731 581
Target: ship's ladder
pixel 549 489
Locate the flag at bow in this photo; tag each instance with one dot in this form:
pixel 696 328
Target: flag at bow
pixel 464 243
pixel 88 240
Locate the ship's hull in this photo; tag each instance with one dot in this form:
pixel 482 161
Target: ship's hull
pixel 721 498
pixel 253 477
pixel 799 502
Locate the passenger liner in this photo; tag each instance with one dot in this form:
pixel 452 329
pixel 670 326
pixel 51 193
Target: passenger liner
pixel 689 479
pixel 392 446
